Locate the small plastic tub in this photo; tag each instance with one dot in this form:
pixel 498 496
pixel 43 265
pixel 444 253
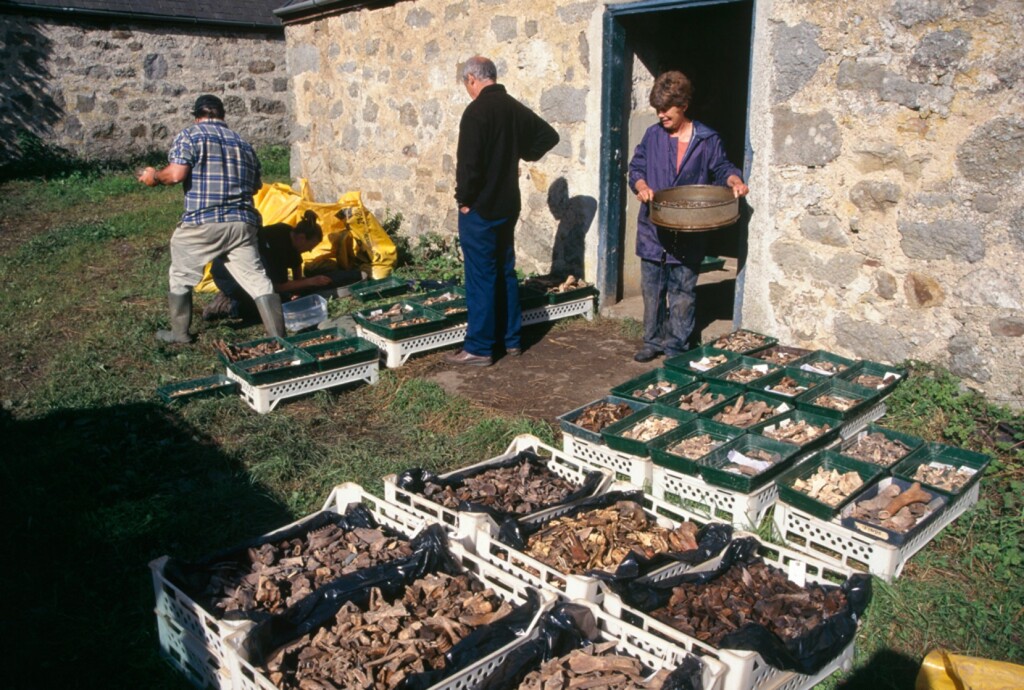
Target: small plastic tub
pixel 304 312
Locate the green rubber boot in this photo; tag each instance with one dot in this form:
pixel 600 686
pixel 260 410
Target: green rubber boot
pixel 269 307
pixel 180 307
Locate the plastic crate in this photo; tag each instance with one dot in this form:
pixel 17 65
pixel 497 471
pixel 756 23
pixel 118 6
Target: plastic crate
pixel 832 543
pixel 694 362
pixel 783 355
pixel 568 424
pixel 571 295
pixel 828 460
pixel 912 442
pixel 633 388
pixel 450 302
pixel 194 389
pixel 940 453
pixel 827 437
pixel 322 337
pixel 615 434
pixel 531 298
pixel 567 586
pixel 661 454
pixel 464 525
pixel 248 677
pixel 295 363
pixel 283 344
pixel 892 376
pixel 865 399
pixel 712 466
pixel 708 502
pixel 724 372
pixel 378 288
pixel 806 379
pixel 264 398
pixel 563 310
pixel 934 508
pixel 826 363
pixel 191 657
pixel 329 356
pixel 726 392
pixel 724 342
pixel 626 467
pixel 744 670
pixel 397 327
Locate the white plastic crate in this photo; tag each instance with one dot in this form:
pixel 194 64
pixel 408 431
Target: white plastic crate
pixel 464 525
pixel 206 631
pixel 398 351
pixel 248 677
pixel 566 585
pixel 265 398
pixel 745 670
pixel 190 656
pixel 854 425
pixel 631 468
pixel 745 511
pixel 831 542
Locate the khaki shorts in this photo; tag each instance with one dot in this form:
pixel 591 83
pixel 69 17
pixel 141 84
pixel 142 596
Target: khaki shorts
pixel 194 246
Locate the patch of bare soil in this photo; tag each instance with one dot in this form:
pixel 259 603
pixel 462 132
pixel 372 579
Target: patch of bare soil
pixel 560 369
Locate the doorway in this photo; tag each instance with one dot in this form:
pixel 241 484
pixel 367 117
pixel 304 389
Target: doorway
pixel 712 43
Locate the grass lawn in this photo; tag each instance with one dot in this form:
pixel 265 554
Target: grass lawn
pixel 99 477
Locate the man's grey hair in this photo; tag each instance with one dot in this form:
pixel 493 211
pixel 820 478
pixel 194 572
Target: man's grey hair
pixel 481 68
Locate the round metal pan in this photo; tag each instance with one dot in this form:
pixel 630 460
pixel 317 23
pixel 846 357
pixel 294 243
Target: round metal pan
pixel 695 207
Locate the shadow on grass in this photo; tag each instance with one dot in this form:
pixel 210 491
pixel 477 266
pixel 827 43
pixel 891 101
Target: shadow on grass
pixel 89 497
pixel 886 670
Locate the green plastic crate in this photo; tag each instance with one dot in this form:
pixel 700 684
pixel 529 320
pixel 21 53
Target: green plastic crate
pixel 630 388
pixel 946 455
pixel 568 420
pixel 723 343
pixel 335 334
pixel 302 363
pixel 328 359
pixel 530 298
pixel 378 288
pixel 721 373
pixel 395 327
pixel 690 362
pixel 727 393
pixel 711 263
pixel 454 306
pixel 712 466
pixel 772 401
pixel 912 442
pixel 895 375
pixel 659 447
pixel 866 397
pixel 284 345
pixel 795 417
pixel 194 389
pixel 613 433
pixel 828 460
pixel 804 378
pixel 826 363
pixel 783 355
pixel 572 295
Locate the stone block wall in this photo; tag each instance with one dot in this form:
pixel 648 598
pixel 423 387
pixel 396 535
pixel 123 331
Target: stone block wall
pixel 378 100
pixel 889 154
pixel 107 91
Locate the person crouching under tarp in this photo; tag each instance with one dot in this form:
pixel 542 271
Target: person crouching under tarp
pixel 281 247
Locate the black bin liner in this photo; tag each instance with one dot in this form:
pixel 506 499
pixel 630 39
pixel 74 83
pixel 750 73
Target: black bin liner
pixel 711 538
pixel 806 654
pixel 414 481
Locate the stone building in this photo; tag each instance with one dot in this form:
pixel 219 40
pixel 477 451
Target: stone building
pixel 106 78
pixel 883 141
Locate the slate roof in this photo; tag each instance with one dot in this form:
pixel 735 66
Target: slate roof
pixel 256 14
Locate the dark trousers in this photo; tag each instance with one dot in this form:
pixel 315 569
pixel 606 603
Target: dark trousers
pixel 242 305
pixel 492 290
pixel 670 296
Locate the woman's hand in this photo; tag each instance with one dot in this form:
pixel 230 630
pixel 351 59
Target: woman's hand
pixel 739 188
pixel 643 192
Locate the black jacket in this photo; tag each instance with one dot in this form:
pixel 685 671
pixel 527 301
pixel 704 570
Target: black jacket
pixel 495 133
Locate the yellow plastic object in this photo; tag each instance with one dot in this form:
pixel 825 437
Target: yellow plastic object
pixel 942 670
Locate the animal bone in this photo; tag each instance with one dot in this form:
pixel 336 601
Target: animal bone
pixel 915 494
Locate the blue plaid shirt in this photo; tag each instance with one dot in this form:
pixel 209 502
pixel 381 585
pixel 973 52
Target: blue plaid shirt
pixel 225 174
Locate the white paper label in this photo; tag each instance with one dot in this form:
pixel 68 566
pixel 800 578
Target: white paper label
pixel 740 459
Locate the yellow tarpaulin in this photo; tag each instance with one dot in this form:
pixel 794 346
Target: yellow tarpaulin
pixel 941 670
pixel 353 237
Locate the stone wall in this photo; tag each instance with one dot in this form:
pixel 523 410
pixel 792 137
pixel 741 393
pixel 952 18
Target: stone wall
pixel 888 220
pixel 378 100
pixel 103 91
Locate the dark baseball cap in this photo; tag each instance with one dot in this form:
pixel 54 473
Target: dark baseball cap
pixel 207 102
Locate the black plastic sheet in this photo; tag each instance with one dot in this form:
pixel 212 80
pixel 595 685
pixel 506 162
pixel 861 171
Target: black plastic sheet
pixel 711 538
pixel 192 578
pixel 415 480
pixel 806 654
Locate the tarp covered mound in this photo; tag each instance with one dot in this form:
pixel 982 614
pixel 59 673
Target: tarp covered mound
pixel 353 237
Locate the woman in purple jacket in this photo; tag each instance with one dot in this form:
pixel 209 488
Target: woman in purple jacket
pixel 676 151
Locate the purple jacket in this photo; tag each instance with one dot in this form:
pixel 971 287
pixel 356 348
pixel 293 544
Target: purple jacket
pixel 654 161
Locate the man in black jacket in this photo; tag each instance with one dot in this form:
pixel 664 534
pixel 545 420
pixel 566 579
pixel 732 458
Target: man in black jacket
pixel 495 133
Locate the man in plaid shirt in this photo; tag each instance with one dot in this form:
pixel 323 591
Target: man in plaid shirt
pixel 220 174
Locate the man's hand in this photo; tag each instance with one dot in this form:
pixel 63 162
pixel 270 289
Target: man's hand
pixel 318 281
pixel 464 209
pixel 147 176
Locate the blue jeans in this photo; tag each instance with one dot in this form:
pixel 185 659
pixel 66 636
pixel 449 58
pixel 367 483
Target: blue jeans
pixel 492 291
pixel 670 295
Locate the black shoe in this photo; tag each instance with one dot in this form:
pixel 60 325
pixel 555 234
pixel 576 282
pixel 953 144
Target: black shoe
pixel 220 308
pixel 646 354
